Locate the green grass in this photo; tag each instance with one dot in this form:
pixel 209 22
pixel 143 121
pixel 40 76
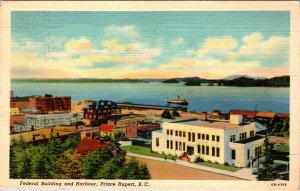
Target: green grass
pixel 282 148
pixel 219 166
pixel 144 151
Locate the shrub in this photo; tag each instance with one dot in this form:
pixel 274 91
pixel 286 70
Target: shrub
pixel 226 163
pixel 216 162
pixel 199 159
pixel 175 113
pixel 209 161
pixel 166 114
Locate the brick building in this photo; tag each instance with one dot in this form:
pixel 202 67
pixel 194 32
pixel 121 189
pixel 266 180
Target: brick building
pixel 20 102
pixel 141 131
pixel 49 103
pixel 100 109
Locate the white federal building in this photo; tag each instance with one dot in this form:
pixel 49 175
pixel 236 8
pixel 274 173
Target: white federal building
pixel 233 141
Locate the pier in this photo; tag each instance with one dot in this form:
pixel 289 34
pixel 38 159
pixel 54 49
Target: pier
pixel 156 107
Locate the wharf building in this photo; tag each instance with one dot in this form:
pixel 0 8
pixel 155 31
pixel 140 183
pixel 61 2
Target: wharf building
pixel 233 142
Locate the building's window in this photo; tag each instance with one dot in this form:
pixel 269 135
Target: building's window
pixel 213 151
pixel 233 138
pixel 189 136
pixel 240 136
pixel 207 150
pixel 199 149
pixel 248 154
pixel 88 134
pixel 168 131
pixel 168 144
pixel 203 149
pixel 180 133
pixel 183 133
pixel 180 146
pixel 46 121
pixel 218 151
pixel 176 145
pixel 171 132
pixel 213 138
pixel 199 135
pixel 60 120
pixel 218 138
pixel 183 146
pixel 233 154
pixel 157 142
pixel 251 133
pixel 203 136
pixel 176 133
pixel 193 137
pixel 207 136
pixel 245 135
pixel 171 144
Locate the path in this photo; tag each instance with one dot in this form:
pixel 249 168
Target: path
pixel 244 173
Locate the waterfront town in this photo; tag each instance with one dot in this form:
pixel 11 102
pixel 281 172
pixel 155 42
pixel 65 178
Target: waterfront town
pixel 154 141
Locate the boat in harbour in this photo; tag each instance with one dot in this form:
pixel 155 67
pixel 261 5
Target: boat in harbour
pixel 178 101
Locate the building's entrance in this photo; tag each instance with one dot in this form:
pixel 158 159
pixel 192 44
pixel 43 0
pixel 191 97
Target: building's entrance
pixel 190 150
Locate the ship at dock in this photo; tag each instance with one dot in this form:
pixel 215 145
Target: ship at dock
pixel 178 101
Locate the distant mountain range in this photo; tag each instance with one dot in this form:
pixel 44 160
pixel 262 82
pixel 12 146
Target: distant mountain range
pixel 234 80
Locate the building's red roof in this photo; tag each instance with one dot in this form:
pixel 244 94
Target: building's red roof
pixel 241 112
pixel 283 115
pixel 16 119
pixel 106 127
pixel 87 146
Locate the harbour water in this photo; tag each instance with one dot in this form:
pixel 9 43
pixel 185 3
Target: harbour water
pixel 201 98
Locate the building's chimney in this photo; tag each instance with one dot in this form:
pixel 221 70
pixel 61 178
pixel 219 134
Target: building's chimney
pixel 236 119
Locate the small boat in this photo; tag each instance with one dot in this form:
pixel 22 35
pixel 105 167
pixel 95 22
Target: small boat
pixel 178 101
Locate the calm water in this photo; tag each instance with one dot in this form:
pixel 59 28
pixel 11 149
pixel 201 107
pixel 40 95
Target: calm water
pixel 201 98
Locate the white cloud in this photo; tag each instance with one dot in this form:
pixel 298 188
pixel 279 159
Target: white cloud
pixel 177 42
pixel 126 31
pixel 274 49
pixel 78 45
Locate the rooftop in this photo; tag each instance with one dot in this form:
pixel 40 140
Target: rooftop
pixel 89 145
pixel 250 139
pixel 19 99
pixel 212 124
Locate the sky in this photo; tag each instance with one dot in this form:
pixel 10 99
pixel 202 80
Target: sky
pixel 206 44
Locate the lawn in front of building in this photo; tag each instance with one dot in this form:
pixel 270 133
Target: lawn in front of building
pixel 144 151
pixel 219 166
pixel 282 148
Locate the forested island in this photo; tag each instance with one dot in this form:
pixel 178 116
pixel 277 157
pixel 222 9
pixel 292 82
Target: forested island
pixel 171 81
pixel 282 81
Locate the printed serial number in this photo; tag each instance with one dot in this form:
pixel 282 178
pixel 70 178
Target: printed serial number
pixel 278 184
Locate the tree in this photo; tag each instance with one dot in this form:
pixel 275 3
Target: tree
pixel 144 172
pixel 94 161
pixel 69 166
pixel 175 113
pixel 70 143
pixel 20 164
pixel 43 163
pixel 267 172
pixel 97 122
pixel 166 114
pixel 110 168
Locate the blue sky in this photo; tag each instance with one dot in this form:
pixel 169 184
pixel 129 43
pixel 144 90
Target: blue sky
pixel 149 44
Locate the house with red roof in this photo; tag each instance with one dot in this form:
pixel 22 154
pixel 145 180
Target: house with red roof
pixel 87 146
pixel 111 130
